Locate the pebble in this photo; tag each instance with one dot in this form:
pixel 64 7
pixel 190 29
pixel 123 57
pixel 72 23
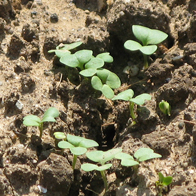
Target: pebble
pixel 19 105
pixel 54 18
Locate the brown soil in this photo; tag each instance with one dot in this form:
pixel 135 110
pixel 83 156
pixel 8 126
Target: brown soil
pixel 32 80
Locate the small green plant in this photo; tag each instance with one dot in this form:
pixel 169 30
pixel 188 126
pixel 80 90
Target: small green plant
pixel 163 183
pixel 33 120
pixel 165 107
pixel 127 96
pixel 77 145
pixel 149 39
pixel 100 158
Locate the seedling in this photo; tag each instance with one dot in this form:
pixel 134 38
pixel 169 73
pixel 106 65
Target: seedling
pixel 165 107
pixel 127 96
pixel 100 158
pixel 33 120
pixel 105 81
pixel 63 49
pixel 142 154
pixel 149 39
pixel 77 145
pixel 163 183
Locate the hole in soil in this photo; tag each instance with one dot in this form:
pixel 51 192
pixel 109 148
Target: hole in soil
pixel 108 136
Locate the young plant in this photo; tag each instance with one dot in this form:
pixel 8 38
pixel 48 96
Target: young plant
pixel 142 154
pixel 33 120
pixel 127 96
pixel 63 49
pixel 163 183
pixel 165 107
pixel 100 158
pixel 77 145
pixel 149 39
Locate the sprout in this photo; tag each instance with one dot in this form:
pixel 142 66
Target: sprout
pixel 77 145
pixel 149 39
pixel 127 96
pixel 33 120
pixel 165 107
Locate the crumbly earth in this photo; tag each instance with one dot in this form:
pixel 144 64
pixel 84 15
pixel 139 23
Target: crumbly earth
pixel 32 80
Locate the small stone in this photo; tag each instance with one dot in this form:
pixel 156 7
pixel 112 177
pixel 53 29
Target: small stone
pixel 180 125
pixel 19 105
pixel 54 18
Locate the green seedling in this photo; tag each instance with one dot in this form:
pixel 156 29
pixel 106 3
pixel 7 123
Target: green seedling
pixel 77 145
pixel 127 96
pixel 165 107
pixel 63 49
pixel 105 81
pixel 142 154
pixel 149 39
pixel 163 183
pixel 100 158
pixel 33 120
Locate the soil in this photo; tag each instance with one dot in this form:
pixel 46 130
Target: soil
pixel 32 80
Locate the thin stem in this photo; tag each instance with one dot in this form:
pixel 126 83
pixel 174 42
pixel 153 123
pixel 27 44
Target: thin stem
pixel 41 130
pixel 74 161
pixel 145 61
pixel 104 180
pixel 131 107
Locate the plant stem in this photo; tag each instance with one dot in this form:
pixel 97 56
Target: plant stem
pixel 104 180
pixel 74 161
pixel 131 107
pixel 41 130
pixel 145 61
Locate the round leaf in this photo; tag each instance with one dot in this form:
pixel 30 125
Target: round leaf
pixel 64 145
pixel 148 50
pixel 128 162
pixel 94 63
pixel 96 83
pixel 125 95
pixel 74 140
pixel 156 36
pixel 140 99
pixel 88 72
pixel 123 155
pixel 50 115
pixel 95 156
pixel 31 120
pixel 161 177
pixel 59 135
pixel 78 150
pixel 106 57
pixel 132 45
pixel 83 56
pixel 113 80
pixel 70 60
pixel 89 167
pixel 69 46
pixel 103 74
pixel 61 53
pixel 104 167
pixel 87 143
pixel 167 180
pixel 107 91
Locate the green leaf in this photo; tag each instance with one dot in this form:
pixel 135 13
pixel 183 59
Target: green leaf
pixel 132 45
pixel 94 63
pixel 106 57
pixel 50 115
pixel 103 74
pixel 167 180
pixel 161 177
pixel 59 135
pixel 95 156
pixel 96 83
pixel 113 81
pixel 69 46
pixel 65 144
pixel 110 154
pixel 140 99
pixel 107 91
pixel 128 162
pixel 70 60
pixel 88 143
pixel 148 50
pixel 78 150
pixel 74 140
pixel 61 53
pixel 104 167
pixel 31 120
pixel 123 155
pixel 125 95
pixel 148 36
pixel 144 154
pixel 89 167
pixel 165 107
pixel 83 56
pixel 88 72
